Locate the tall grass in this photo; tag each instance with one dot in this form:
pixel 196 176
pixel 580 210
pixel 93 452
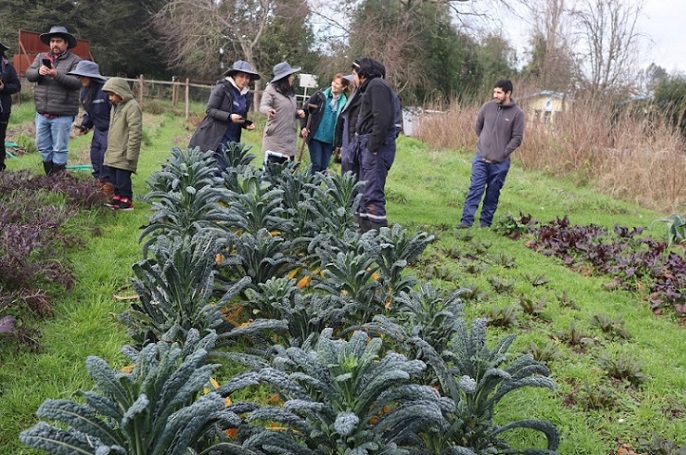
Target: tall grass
pixel 638 158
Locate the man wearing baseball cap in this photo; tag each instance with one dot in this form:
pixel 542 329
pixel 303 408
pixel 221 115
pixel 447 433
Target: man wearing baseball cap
pixel 56 96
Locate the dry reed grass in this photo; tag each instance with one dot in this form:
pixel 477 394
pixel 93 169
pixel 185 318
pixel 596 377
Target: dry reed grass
pixel 638 158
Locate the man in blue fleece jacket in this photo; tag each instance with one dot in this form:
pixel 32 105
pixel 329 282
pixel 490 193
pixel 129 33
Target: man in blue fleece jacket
pixel 500 127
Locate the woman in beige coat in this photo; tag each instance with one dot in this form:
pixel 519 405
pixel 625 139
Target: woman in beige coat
pixel 279 105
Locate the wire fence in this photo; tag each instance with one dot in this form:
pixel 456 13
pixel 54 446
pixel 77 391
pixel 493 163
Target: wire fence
pixel 182 93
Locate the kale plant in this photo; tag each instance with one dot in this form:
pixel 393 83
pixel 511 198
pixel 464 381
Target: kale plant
pixel 476 379
pixel 185 197
pixel 154 410
pixel 342 397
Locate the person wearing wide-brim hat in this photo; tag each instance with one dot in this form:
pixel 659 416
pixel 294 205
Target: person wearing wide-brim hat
pixel 241 66
pixel 97 105
pixel 61 32
pixel 279 105
pixel 227 112
pixel 9 84
pixel 56 97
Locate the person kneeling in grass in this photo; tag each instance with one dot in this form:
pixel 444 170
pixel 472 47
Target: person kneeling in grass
pixel 123 141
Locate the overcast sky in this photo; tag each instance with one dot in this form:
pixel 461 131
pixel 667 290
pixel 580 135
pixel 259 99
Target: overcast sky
pixel 663 22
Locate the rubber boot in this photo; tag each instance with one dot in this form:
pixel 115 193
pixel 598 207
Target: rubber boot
pixel 47 166
pixel 376 226
pixel 365 225
pixel 2 166
pixel 57 168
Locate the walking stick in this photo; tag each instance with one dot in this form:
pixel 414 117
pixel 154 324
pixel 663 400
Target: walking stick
pixel 310 109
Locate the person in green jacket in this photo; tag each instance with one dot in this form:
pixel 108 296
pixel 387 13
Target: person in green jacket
pixel 123 141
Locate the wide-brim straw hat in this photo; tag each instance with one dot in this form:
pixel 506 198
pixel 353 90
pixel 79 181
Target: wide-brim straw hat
pixel 86 68
pixel 59 30
pixel 282 70
pixel 241 66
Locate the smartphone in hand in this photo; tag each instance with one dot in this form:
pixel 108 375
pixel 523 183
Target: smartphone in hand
pixel 47 62
pixel 247 122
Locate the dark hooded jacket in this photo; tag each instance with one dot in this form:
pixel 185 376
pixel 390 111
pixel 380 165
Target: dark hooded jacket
pixel 97 106
pixel 12 84
pixel 126 128
pixel 377 112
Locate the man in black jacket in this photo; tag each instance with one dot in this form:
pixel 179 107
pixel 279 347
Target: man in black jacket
pixel 9 84
pixel 374 146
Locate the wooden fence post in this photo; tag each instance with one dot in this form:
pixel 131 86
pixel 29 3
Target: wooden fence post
pixel 141 86
pixel 175 94
pixel 188 98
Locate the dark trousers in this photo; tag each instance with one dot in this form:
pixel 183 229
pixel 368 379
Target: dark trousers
pixel 4 119
pixel 373 172
pixel 98 149
pixel 491 178
pixel 121 179
pixel 320 155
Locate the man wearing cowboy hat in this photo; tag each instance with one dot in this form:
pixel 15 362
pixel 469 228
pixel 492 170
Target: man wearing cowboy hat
pixel 9 84
pixel 56 96
pixel 97 117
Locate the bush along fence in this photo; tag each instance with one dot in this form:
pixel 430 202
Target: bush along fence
pixel 337 350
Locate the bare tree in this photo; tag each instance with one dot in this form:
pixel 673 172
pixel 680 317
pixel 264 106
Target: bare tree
pixel 196 33
pixel 552 63
pixel 607 41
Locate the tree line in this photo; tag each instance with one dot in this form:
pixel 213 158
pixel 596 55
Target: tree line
pixel 434 50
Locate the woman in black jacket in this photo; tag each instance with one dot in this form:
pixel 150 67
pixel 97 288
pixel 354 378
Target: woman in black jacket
pixel 9 84
pixel 227 111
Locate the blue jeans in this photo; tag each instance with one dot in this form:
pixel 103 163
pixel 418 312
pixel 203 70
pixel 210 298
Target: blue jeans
pixel 488 176
pixel 320 155
pixel 52 137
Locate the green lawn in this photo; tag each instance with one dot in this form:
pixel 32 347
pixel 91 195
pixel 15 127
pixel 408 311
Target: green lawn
pixel 425 188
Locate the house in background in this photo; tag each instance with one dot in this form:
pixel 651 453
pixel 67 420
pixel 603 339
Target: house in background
pixel 545 107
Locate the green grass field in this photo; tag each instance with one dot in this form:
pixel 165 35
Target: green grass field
pixel 425 189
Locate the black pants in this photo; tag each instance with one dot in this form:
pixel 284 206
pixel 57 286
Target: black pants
pixel 122 182
pixel 4 119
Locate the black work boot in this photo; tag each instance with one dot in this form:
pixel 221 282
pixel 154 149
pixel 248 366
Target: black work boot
pixel 377 225
pixel 365 225
pixel 57 168
pixel 47 165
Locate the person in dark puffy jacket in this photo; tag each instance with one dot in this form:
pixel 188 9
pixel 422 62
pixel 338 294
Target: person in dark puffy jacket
pixel 9 84
pixel 227 111
pixel 56 96
pixel 97 117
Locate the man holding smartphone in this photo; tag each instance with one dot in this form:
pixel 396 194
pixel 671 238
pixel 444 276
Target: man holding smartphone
pixel 56 97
